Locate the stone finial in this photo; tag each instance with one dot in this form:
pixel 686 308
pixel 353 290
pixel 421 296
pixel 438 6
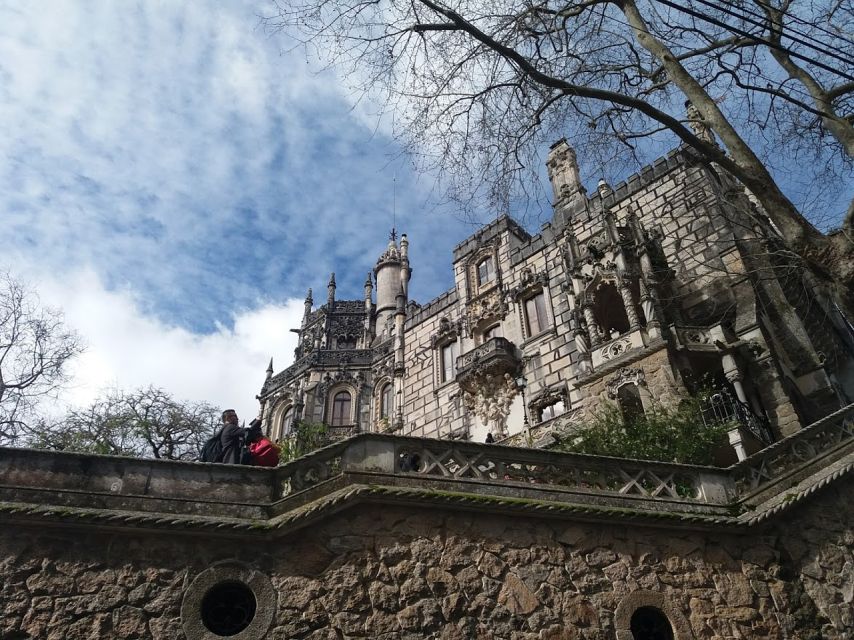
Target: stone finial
pixel 404 247
pixel 562 166
pixel 309 301
pixel 330 289
pixel 369 283
pixel 604 188
pixel 270 369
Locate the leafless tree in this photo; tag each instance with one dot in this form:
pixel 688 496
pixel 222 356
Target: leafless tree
pixel 35 350
pixel 479 87
pixel 144 423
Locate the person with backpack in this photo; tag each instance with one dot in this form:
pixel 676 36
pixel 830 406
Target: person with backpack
pixel 232 438
pixel 262 452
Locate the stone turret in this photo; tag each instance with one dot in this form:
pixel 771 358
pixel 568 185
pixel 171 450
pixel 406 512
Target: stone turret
pixel 563 171
pixel 570 197
pixel 392 273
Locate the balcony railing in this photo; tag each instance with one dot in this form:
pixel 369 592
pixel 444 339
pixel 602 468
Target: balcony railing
pixel 722 407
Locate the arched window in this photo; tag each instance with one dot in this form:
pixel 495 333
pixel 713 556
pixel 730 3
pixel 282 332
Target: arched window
pixel 492 332
pixel 341 409
pixel 385 400
pixel 287 422
pixel 649 623
pixel 609 311
pixel 629 399
pixel 485 271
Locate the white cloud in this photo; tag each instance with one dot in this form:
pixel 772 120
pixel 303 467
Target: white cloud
pixel 127 349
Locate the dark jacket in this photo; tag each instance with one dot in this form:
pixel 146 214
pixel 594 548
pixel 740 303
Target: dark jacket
pixel 232 439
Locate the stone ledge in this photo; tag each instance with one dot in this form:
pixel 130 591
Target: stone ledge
pixel 370 467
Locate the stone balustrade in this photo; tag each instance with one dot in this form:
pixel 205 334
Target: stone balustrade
pixel 58 485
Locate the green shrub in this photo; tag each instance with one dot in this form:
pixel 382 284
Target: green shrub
pixel 675 434
pixel 305 438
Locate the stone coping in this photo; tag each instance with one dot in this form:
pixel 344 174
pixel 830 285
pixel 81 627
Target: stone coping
pixel 110 491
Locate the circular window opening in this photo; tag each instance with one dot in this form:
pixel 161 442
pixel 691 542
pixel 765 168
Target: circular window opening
pixel 648 623
pixel 228 608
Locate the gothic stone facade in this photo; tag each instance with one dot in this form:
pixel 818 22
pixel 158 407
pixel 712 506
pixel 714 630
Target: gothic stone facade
pixel 670 282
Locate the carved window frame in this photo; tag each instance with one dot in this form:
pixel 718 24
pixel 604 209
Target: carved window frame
pixel 288 411
pixel 277 413
pixel 440 359
pixel 547 398
pixel 532 285
pixel 330 404
pixel 383 383
pixel 475 286
pixel 449 332
pixel 490 325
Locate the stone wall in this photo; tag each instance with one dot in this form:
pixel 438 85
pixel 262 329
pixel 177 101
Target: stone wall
pixel 392 572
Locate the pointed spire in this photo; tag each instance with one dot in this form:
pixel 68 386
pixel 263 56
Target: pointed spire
pixel 369 281
pixel 308 297
pixel 270 369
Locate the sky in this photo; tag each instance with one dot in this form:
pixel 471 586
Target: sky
pixel 174 183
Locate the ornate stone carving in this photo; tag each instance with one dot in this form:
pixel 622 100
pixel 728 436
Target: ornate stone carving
pixel 486 307
pixel 529 281
pixel 546 397
pixel 490 398
pixel 448 330
pixel 624 376
pixel 694 335
pixel 494 357
pixel 616 348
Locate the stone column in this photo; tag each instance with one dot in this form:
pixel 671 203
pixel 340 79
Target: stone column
pixel 737 444
pixel 734 376
pixel 592 327
pixel 629 304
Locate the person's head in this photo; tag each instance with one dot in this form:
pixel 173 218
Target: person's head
pixel 229 416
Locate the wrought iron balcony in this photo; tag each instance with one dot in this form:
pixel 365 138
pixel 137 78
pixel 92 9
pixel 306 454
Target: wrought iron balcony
pixel 722 406
pixel 495 357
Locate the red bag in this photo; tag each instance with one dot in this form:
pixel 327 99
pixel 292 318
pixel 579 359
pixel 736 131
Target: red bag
pixel 264 453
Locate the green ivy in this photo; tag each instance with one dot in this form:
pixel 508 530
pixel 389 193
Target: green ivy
pixel 304 438
pixel 669 434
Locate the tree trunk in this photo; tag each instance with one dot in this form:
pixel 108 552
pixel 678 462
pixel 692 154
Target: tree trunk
pixel 831 258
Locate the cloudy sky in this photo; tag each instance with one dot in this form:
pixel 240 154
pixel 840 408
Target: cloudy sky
pixel 175 183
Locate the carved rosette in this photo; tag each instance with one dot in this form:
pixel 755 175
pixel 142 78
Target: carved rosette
pixel 490 397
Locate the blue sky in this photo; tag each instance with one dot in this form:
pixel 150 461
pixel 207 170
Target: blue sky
pixel 175 182
pixel 169 178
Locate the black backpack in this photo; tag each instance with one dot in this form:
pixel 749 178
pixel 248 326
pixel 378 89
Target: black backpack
pixel 212 448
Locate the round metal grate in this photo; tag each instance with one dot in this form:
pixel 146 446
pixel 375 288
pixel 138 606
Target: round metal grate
pixel 228 608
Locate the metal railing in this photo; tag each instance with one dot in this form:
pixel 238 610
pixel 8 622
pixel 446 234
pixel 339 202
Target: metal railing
pixel 722 407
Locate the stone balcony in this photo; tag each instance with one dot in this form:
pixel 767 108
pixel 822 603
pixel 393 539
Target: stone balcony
pixel 494 357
